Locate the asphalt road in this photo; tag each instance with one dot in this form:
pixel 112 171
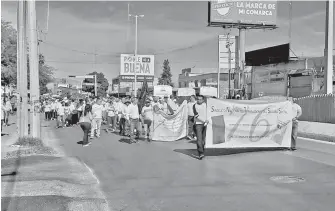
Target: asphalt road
pixel 165 176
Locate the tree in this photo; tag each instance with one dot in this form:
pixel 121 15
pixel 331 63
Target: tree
pixel 9 58
pixel 8 52
pixel 166 77
pixel 102 84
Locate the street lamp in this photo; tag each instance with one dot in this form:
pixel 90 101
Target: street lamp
pixel 135 81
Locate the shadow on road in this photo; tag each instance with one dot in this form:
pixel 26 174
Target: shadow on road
pixel 221 152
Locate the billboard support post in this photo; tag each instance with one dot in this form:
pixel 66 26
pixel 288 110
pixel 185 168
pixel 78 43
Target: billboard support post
pixel 219 73
pixel 135 81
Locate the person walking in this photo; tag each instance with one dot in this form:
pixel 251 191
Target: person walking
pixel 297 111
pixel 200 121
pixel 148 116
pixel 8 109
pixel 111 116
pixel 97 109
pixel 123 112
pixel 133 120
pixel 47 110
pixel 60 115
pixel 85 123
pixel 190 118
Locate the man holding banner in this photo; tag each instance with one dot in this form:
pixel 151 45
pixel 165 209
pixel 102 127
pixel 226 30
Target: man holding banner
pixel 200 121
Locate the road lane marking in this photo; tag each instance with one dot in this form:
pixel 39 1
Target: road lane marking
pixel 294 154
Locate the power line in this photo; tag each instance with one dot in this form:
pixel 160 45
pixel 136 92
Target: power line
pixel 82 62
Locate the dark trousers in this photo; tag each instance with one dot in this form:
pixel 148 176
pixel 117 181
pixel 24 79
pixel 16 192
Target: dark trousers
pixel 85 126
pixel 191 126
pixel 48 115
pixel 122 126
pixel 294 134
pixel 200 130
pixel 75 118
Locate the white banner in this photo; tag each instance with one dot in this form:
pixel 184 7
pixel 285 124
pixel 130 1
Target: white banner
pixel 208 91
pixel 243 124
pixel 145 65
pixel 186 92
pixel 170 127
pixel 162 90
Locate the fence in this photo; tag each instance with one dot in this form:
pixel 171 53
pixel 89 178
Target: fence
pixel 317 108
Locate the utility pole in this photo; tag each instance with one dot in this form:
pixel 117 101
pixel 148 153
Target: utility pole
pixel 241 78
pixel 229 67
pixel 328 75
pixel 22 111
pixel 34 72
pixel 135 63
pixel 95 85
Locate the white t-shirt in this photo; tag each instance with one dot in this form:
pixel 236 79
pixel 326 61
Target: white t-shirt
pixel 60 110
pixel 47 108
pixel 147 113
pixel 133 111
pixel 201 109
pixel 110 108
pixel 97 111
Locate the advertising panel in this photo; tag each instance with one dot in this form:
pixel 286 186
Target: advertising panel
pixel 143 64
pixel 162 90
pixel 242 12
pixel 208 91
pixel 140 78
pixel 224 51
pixel 247 124
pixel 186 92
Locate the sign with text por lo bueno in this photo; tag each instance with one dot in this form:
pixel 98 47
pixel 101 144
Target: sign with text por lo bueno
pixel 143 64
pixel 248 124
pixel 243 12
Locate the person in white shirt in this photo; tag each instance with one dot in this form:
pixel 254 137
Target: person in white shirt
pixel 148 116
pixel 200 120
pixel 111 116
pixel 47 110
pixel 97 119
pixel 8 109
pixel 191 129
pixel 297 111
pixel 122 107
pixel 53 110
pixel 60 115
pixel 133 120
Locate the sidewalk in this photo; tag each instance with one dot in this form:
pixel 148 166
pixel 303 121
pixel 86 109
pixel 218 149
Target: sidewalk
pixel 317 130
pixel 50 181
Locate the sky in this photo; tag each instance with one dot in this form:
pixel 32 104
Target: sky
pixel 171 30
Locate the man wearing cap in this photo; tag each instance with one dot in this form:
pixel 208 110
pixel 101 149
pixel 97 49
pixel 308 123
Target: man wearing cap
pixel 133 119
pixel 147 114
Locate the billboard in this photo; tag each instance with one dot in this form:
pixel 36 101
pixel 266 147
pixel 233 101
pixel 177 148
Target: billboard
pixel 242 12
pixel 270 55
pixel 144 65
pixel 139 78
pixel 224 53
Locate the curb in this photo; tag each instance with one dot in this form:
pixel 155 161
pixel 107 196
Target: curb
pixel 320 137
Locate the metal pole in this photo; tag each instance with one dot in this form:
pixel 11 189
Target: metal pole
pixel 219 73
pixel 328 75
pixel 20 37
pixel 135 80
pixel 24 80
pixel 95 85
pixel 229 70
pixel 242 56
pixel 34 72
